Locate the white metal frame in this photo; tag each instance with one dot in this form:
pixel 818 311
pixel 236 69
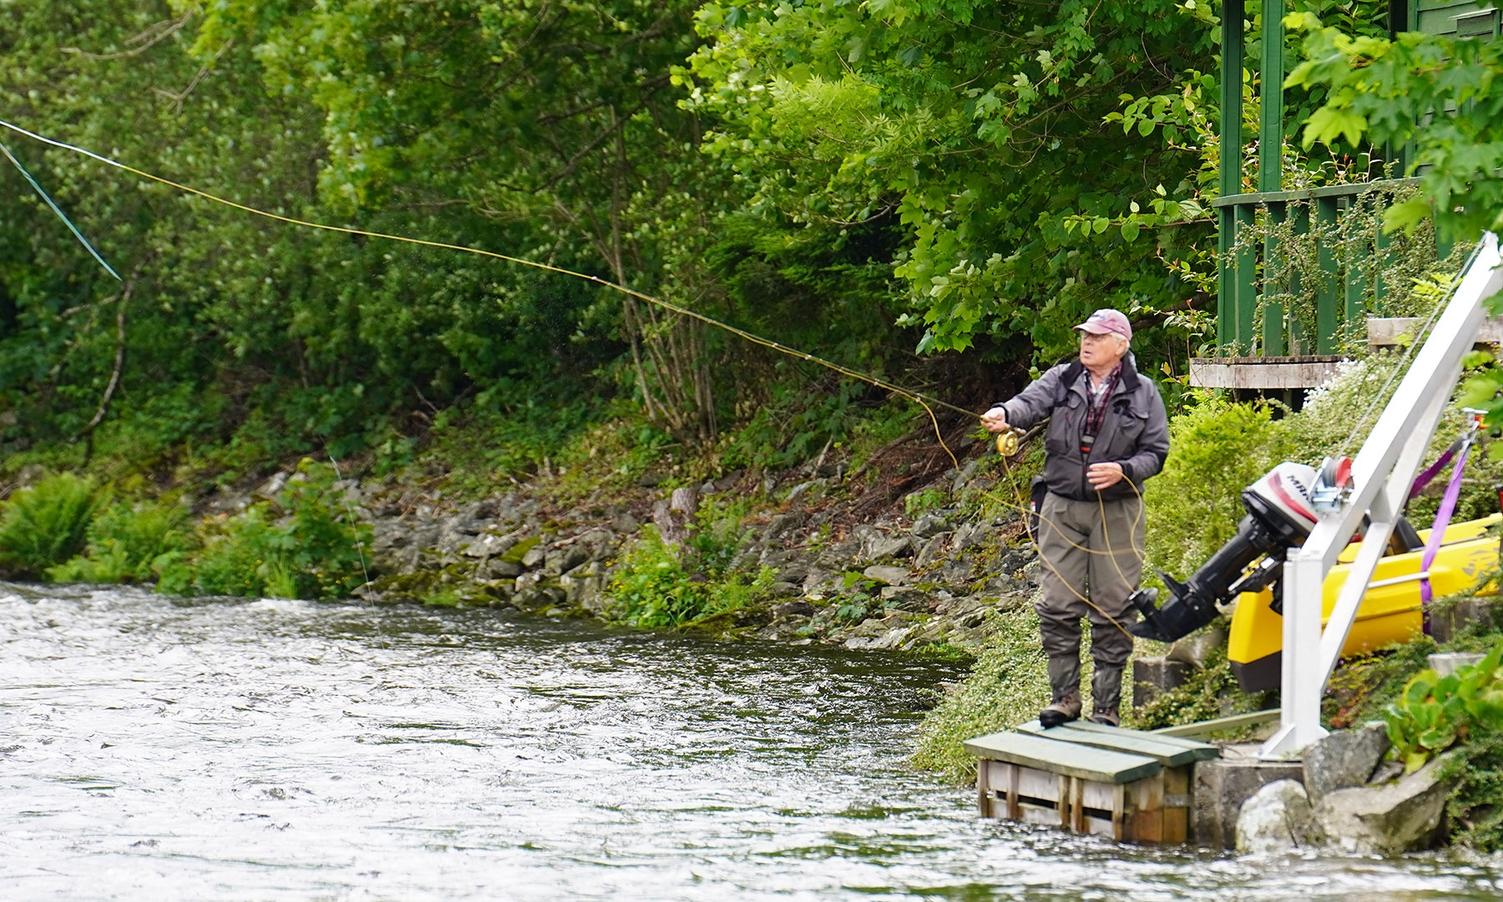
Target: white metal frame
pixel 1382 473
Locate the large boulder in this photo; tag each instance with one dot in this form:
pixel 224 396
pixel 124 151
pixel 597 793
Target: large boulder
pixel 1277 818
pixel 1344 759
pixel 1390 818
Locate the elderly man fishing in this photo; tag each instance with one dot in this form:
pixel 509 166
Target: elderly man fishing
pixel 1108 432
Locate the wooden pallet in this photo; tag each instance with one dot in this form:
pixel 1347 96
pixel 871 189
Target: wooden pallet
pixel 1088 778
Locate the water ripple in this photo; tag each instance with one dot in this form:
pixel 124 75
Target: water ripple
pixel 166 748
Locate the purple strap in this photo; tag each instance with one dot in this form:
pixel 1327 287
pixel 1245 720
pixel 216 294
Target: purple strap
pixel 1423 479
pixel 1438 529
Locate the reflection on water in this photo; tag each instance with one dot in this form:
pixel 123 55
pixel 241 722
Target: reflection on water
pixel 156 748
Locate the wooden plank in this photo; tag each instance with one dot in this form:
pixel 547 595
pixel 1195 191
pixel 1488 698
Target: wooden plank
pixel 1212 372
pixel 1063 758
pixel 1155 735
pixel 1037 784
pixel 1236 721
pixel 1169 753
pixel 1387 331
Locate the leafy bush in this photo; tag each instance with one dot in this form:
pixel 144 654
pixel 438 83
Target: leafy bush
pixel 46 524
pixel 126 544
pixel 1434 713
pixel 306 543
pixel 1216 449
pixel 655 585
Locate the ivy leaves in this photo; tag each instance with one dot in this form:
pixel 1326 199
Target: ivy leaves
pixel 1437 95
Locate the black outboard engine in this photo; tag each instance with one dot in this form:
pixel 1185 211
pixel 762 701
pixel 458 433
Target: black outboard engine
pixel 1279 517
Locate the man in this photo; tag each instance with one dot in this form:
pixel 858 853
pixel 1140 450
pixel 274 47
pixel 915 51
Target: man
pixel 1108 432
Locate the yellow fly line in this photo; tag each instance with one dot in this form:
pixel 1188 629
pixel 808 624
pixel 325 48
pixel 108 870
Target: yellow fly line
pixel 922 400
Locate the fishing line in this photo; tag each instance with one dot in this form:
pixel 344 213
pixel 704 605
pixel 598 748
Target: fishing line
pixel 60 214
pixel 922 400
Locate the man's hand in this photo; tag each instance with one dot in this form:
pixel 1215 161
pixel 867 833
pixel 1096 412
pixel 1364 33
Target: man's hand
pixel 995 420
pixel 1103 476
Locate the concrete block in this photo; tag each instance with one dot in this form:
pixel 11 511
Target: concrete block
pixel 1223 785
pixel 1152 677
pixel 1447 663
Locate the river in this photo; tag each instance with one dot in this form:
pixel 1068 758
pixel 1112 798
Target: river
pixel 157 748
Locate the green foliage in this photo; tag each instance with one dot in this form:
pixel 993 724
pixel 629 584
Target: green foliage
pixel 127 543
pixel 1434 713
pixel 1209 693
pixel 1475 809
pixel 1388 91
pixel 308 542
pixel 842 113
pixel 1216 449
pixel 46 524
pixel 656 585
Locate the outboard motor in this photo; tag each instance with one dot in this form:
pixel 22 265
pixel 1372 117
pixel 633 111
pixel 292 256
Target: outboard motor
pixel 1279 517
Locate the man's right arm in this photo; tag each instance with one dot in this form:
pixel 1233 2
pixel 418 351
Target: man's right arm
pixel 1036 402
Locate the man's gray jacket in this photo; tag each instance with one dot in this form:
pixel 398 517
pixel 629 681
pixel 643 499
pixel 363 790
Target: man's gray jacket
pixel 1134 433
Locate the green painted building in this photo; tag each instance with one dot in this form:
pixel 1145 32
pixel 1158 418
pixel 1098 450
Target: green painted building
pixel 1261 344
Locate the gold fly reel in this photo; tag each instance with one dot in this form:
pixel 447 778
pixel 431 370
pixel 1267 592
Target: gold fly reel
pixel 1008 443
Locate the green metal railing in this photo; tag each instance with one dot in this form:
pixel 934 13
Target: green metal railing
pixel 1253 278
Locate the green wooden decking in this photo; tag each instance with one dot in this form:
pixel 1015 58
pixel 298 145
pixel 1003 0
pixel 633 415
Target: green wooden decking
pixel 1090 751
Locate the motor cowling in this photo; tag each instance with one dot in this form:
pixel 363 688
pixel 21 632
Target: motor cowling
pixel 1279 517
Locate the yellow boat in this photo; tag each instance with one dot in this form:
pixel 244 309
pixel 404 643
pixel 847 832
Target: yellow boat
pixel 1390 611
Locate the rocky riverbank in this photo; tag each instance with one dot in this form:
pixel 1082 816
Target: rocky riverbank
pixel 886 579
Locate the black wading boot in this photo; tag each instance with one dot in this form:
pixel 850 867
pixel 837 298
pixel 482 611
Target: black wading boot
pixel 1061 710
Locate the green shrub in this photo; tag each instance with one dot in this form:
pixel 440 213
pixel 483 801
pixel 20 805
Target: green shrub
pixel 1434 713
pixel 126 543
pixel 46 524
pixel 1216 449
pixel 306 543
pixel 1209 693
pixel 657 584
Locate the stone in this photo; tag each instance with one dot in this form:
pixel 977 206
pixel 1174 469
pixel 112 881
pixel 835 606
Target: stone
pixel 1196 649
pixel 885 547
pixel 1449 618
pixel 892 576
pixel 967 474
pixel 1390 818
pixel 783 524
pixel 1222 785
pixel 534 556
pixel 932 551
pixel 274 484
pixel 1278 818
pixel 1447 663
pixel 1152 677
pixel 496 568
pixel 930 525
pixel 794 609
pixel 905 598
pixel 1343 759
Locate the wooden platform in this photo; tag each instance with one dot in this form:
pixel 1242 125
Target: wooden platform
pixel 1088 778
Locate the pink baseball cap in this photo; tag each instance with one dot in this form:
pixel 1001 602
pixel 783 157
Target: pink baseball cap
pixel 1107 320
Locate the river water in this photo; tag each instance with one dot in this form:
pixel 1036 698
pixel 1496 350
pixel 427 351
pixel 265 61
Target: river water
pixel 154 748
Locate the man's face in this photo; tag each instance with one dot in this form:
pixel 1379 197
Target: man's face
pixel 1101 350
